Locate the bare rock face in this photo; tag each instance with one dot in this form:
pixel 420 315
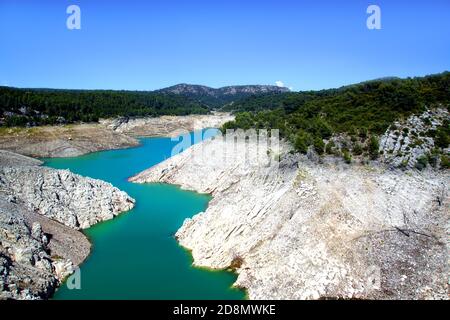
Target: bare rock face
pixel 8 159
pixel 78 139
pixel 298 230
pixel 41 210
pixel 73 200
pixel 63 141
pixel 26 270
pixel 406 141
pixel 165 125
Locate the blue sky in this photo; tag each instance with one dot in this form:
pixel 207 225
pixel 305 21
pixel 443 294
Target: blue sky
pixel 146 45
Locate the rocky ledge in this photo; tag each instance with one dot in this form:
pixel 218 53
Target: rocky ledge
pixel 405 142
pixel 298 230
pixel 78 139
pixel 168 126
pixel 62 141
pixel 41 210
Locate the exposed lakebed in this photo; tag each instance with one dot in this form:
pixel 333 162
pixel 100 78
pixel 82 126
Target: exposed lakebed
pixel 135 255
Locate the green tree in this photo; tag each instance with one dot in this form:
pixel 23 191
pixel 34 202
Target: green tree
pixel 330 147
pixel 347 156
pixel 302 141
pixel 319 145
pixel 374 147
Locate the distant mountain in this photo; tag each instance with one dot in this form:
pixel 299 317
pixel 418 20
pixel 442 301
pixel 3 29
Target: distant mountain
pixel 217 98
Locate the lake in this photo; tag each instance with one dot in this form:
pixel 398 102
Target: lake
pixel 135 256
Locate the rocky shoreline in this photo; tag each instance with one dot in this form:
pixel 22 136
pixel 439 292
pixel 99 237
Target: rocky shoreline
pixel 302 230
pixel 41 211
pixel 293 229
pixel 166 126
pixel 78 139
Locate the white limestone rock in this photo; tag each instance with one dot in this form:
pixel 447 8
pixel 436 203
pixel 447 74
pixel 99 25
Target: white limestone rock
pixel 307 231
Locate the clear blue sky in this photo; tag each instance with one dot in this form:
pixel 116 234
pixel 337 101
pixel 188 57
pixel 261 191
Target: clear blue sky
pixel 146 45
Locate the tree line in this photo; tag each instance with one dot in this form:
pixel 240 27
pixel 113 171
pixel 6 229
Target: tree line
pixel 361 111
pixel 19 107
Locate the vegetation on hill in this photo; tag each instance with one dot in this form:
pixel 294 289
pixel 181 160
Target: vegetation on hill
pixel 362 111
pixel 19 107
pixel 222 97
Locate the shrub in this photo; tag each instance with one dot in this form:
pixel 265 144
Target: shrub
pixel 445 162
pixel 16 121
pixel 431 133
pixel 357 149
pixel 302 141
pixel 374 146
pixel 319 145
pixel 322 128
pixel 433 158
pixel 347 156
pixel 330 147
pixel 427 121
pixel 422 162
pixel 404 163
pixel 442 139
pixel 417 143
pixel 363 133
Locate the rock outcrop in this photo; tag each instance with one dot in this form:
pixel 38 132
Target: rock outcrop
pixel 298 230
pixel 406 141
pixel 41 210
pixel 168 126
pixel 110 134
pixel 63 141
pixel 26 270
pixel 60 195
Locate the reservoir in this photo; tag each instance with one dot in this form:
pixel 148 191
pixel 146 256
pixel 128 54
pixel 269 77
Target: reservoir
pixel 135 255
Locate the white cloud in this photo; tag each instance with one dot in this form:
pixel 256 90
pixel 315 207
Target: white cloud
pixel 279 84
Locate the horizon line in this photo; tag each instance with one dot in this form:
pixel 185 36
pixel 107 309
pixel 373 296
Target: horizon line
pixel 237 85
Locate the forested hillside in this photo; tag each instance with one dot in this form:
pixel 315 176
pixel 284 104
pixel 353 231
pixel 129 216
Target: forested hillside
pixel 221 97
pixel 19 107
pixel 362 111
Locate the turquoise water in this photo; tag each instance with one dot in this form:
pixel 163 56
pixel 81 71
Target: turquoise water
pixel 135 255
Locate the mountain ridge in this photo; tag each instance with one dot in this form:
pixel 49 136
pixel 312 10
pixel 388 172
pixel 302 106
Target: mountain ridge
pixel 219 97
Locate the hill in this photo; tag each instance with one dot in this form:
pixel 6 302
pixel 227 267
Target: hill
pixel 20 107
pixel 217 98
pixel 361 112
pixel 31 107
